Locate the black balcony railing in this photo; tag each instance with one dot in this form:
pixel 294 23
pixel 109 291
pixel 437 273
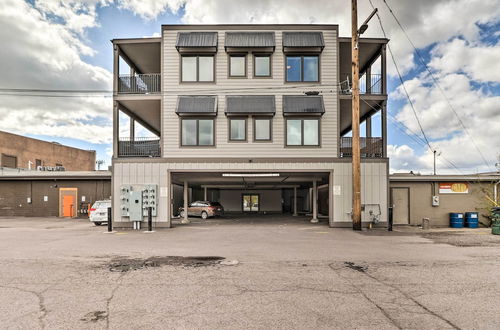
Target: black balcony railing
pixel 370 147
pixel 373 86
pixel 139 147
pixel 139 84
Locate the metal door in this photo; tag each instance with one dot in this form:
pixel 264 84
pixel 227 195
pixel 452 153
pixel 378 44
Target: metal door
pixel 400 198
pixel 68 198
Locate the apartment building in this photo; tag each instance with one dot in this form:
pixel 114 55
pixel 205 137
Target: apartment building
pixel 256 117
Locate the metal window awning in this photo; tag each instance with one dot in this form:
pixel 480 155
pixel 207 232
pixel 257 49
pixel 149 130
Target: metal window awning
pixel 250 105
pixel 264 41
pixel 303 41
pixel 196 105
pixel 196 42
pixel 299 105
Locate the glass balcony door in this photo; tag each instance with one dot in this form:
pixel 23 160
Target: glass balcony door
pixel 250 203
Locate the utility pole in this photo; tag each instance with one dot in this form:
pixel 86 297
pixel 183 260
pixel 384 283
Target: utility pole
pixel 356 153
pixel 434 151
pixel 356 157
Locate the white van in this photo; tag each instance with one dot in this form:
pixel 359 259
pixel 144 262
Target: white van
pixel 98 213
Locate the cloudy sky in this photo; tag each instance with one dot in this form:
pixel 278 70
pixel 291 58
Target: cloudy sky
pixel 64 44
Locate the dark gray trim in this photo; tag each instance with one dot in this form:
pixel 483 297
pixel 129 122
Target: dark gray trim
pixel 250 27
pixel 245 72
pixel 250 104
pixel 229 123
pixel 197 81
pixel 248 160
pixel 270 129
pixel 196 105
pixel 250 40
pixel 197 145
pixel 302 55
pixel 303 40
pixel 302 145
pixel 203 39
pixel 254 55
pixel 303 105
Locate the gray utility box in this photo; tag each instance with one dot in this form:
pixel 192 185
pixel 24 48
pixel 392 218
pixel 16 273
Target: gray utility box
pixel 135 206
pixel 149 199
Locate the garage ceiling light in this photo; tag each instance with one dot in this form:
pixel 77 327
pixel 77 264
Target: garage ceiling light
pixel 250 174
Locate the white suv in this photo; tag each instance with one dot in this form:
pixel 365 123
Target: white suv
pixel 98 213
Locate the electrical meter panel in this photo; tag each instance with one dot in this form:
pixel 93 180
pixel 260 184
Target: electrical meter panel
pixel 149 199
pixel 124 200
pixel 135 205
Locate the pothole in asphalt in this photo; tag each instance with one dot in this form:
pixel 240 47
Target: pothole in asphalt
pixel 94 316
pixel 128 264
pixel 355 267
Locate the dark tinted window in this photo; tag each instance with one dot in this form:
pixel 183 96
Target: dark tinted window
pixel 215 204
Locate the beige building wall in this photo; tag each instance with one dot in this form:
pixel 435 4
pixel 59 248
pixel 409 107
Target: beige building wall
pixel 242 86
pixel 373 172
pixel 28 149
pixel 420 205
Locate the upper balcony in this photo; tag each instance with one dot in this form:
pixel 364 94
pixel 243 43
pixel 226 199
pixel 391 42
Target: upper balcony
pixel 137 66
pixel 137 97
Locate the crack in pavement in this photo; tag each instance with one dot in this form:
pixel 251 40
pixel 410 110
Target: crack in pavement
pixel 111 297
pixel 42 309
pixel 404 294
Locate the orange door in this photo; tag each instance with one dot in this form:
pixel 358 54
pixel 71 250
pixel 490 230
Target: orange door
pixel 68 205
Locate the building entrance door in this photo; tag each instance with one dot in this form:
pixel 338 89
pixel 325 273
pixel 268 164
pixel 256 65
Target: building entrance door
pixel 401 200
pixel 67 202
pixel 250 203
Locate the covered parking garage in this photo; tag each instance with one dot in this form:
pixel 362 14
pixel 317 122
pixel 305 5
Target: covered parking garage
pixel 246 193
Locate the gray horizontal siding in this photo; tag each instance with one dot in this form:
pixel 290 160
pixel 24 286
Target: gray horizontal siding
pixel 225 86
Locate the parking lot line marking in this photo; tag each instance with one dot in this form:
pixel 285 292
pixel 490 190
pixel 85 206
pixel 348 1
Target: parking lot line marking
pixel 306 228
pixel 322 232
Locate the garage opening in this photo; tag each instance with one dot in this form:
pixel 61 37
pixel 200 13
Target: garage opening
pixel 253 196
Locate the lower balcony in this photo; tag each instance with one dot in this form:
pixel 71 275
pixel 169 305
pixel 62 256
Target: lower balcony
pixel 370 147
pixel 139 147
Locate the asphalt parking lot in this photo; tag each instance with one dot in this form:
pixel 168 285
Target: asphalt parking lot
pixel 59 274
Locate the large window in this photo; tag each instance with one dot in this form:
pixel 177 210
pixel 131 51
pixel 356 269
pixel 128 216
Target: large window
pixel 237 66
pixel 197 68
pixel 237 129
pixel 302 68
pixel 302 132
pixel 262 65
pixel 262 129
pixel 197 132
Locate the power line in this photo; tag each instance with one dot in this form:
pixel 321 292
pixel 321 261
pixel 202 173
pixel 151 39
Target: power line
pixel 402 82
pixel 420 57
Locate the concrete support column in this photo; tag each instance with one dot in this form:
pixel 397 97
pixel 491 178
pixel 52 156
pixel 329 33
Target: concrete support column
pixel 383 70
pixel 186 204
pixel 116 128
pixel 132 129
pixel 205 194
pixel 315 202
pixel 116 68
pixel 294 201
pixel 384 128
pixel 368 127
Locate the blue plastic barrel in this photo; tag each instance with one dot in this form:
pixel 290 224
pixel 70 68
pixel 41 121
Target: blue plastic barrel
pixel 456 220
pixel 472 219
